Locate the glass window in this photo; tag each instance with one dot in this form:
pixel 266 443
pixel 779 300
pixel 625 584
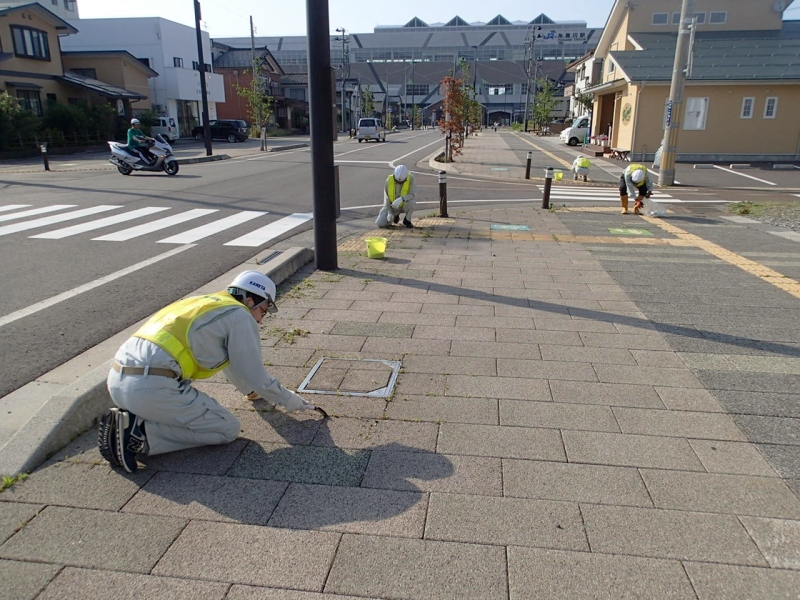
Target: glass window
pixel 297 93
pixel 30 100
pixel 177 61
pixel 91 73
pixel 419 89
pixel 701 17
pixel 747 108
pixel 144 61
pixel 719 17
pixel 676 18
pixel 694 117
pixel 660 18
pixel 30 43
pixel 770 108
pixel 195 65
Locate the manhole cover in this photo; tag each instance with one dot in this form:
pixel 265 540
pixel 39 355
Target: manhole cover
pixel 370 377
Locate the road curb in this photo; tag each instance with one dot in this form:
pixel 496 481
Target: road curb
pixel 289 147
pixel 77 407
pixel 202 159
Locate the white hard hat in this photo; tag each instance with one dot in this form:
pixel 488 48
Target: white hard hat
pixel 637 176
pixel 135 121
pixel 400 173
pixel 255 283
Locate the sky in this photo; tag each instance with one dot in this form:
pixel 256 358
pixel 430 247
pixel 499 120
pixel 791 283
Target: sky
pixel 231 18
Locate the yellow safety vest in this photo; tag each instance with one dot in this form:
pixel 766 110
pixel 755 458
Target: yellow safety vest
pixel 392 190
pixel 169 329
pixel 584 163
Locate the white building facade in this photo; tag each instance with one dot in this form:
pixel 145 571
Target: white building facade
pixel 168 48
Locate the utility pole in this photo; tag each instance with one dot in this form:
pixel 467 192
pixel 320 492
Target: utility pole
pixel 666 173
pixel 202 68
pixel 413 93
pixel 345 66
pixel 530 45
pixel 322 103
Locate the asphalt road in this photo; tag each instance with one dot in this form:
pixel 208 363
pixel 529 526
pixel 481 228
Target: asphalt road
pixel 65 290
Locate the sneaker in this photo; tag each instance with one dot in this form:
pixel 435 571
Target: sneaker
pixel 396 219
pixel 131 439
pixel 107 438
pixel 407 223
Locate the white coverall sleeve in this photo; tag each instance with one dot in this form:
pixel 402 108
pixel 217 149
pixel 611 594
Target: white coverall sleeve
pixel 247 372
pixel 412 189
pixel 632 189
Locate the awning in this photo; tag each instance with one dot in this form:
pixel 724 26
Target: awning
pixel 99 87
pixel 21 85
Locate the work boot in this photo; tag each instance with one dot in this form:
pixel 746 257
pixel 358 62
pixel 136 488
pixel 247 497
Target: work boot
pixel 408 223
pixel 396 219
pixel 131 439
pixel 624 201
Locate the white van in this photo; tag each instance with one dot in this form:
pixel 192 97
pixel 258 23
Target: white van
pixel 577 132
pixel 166 127
pixel 371 129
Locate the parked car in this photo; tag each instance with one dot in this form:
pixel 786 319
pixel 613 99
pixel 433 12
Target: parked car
pixel 576 134
pixel 371 129
pixel 233 130
pixel 166 127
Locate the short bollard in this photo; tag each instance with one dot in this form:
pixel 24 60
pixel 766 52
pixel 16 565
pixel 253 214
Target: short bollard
pixel 528 166
pixel 548 182
pixel 442 193
pixel 43 149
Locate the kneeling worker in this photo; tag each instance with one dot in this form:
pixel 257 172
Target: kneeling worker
pixel 157 408
pixel 580 168
pixel 398 196
pixel 634 181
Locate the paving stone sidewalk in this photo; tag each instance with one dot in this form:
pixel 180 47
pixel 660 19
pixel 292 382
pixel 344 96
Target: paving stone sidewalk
pixel 544 439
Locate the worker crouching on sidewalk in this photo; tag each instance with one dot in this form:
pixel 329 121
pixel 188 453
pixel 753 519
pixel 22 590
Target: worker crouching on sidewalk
pixel 580 168
pixel 634 181
pixel 157 408
pixel 398 196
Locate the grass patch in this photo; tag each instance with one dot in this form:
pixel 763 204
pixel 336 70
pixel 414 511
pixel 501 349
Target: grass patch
pixel 7 482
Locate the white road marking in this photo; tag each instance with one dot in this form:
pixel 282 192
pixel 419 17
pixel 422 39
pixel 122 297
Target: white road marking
pixel 99 223
pixel 127 234
pixel 55 219
pixel 198 233
pixel 271 231
pixel 34 308
pixel 13 207
pixel 744 175
pixel 35 211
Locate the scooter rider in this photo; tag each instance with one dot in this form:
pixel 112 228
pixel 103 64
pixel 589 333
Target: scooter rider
pixel 398 196
pixel 157 408
pixel 138 141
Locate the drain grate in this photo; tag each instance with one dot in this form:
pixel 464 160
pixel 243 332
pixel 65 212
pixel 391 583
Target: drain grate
pixel 366 377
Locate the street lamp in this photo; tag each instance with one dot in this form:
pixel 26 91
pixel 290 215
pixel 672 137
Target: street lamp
pixel 345 69
pixel 530 41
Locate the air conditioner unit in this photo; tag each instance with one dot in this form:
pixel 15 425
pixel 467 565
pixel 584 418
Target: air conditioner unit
pixel 157 107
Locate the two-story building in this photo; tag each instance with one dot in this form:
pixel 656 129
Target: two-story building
pixel 741 89
pixel 169 49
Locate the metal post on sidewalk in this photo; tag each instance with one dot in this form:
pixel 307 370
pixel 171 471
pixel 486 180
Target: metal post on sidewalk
pixel 528 166
pixel 548 182
pixel 442 193
pixel 43 149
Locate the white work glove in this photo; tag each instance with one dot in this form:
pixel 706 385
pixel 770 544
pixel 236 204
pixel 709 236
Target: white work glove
pixel 398 204
pixel 292 401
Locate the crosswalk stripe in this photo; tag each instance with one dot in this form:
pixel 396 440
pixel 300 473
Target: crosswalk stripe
pixel 34 211
pixel 99 223
pixel 12 207
pixel 198 233
pixel 127 234
pixel 5 230
pixel 271 231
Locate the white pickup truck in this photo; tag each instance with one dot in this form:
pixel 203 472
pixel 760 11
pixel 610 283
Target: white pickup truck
pixel 576 133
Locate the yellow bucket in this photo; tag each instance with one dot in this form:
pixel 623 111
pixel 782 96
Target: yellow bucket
pixel 558 175
pixel 376 247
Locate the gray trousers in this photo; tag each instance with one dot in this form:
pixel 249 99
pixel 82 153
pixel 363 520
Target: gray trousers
pixel 387 214
pixel 177 416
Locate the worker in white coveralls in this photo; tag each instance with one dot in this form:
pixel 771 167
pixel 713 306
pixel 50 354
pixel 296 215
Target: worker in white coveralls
pixel 157 408
pixel 398 196
pixel 635 181
pixel 580 168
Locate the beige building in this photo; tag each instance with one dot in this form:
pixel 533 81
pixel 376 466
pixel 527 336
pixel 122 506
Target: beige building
pixel 742 89
pixel 33 69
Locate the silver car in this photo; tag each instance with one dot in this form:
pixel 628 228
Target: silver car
pixel 371 129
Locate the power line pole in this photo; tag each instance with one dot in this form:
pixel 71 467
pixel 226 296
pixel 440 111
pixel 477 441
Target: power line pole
pixel 666 173
pixel 202 70
pixel 345 66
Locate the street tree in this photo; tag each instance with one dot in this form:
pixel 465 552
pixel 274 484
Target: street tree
pixel 259 104
pixel 367 104
pixel 543 103
pixel 454 109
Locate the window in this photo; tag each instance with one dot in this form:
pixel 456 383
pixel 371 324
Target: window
pixel 770 108
pixel 419 89
pixel 660 18
pixel 611 67
pixel 70 5
pixel 30 100
pixel 499 89
pixel 524 89
pixel 676 18
pixel 719 17
pixel 694 117
pixel 31 43
pixel 195 65
pixel 177 61
pixel 51 99
pixel 701 17
pixel 91 73
pixel 297 94
pixel 144 61
pixel 747 108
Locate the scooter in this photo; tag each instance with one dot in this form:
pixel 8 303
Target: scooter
pixel 127 162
